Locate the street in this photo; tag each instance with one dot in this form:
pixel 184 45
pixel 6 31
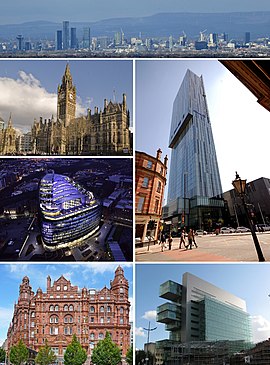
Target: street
pixel 211 248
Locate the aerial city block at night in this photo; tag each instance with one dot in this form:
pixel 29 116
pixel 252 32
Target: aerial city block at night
pixel 66 209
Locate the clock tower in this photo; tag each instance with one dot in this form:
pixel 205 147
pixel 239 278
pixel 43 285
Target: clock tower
pixel 66 103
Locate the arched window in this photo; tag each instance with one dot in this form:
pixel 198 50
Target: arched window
pixel 102 309
pixel 68 319
pixel 71 308
pixel 33 314
pixel 100 336
pixel 108 308
pixel 92 336
pixel 56 308
pixel 53 319
pixel 66 308
pixel 121 310
pixel 51 308
pixel 92 309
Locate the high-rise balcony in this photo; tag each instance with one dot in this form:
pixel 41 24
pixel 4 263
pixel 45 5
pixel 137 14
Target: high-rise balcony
pixel 168 312
pixel 171 290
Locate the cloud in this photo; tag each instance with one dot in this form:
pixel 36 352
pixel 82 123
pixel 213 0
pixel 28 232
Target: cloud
pixel 260 328
pixel 139 332
pixel 131 313
pixel 150 315
pixel 26 99
pixel 5 319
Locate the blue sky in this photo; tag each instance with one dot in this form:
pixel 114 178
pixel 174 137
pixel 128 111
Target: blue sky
pixel 247 281
pixel 29 87
pixel 17 11
pixel 94 275
pixel 236 117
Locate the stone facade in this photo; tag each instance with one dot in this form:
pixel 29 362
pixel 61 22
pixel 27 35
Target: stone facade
pixel 8 139
pixel 64 310
pixel 103 132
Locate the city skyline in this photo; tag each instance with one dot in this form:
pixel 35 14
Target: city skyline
pixel 28 92
pixel 104 9
pixel 232 111
pixel 228 277
pixel 89 275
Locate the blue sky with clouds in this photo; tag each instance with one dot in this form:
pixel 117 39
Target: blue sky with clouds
pixel 247 281
pixel 17 11
pixel 29 87
pixel 94 275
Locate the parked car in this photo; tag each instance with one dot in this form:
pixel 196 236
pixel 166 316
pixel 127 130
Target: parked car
pixel 242 229
pixel 200 232
pixel 224 230
pixel 262 227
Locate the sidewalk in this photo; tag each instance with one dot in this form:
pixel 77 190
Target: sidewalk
pixel 200 254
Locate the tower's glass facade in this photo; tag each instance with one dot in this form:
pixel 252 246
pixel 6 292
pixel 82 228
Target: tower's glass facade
pixel 194 169
pixel 69 213
pixel 194 179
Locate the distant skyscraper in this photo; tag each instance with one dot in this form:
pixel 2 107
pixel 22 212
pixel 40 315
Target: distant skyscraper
pixel 203 312
pixel 194 175
pixel 247 37
pixel 65 34
pixel 73 38
pixel 86 38
pixel 20 42
pixel 59 40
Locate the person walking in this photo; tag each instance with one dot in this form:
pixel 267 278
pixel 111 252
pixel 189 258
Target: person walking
pixel 182 239
pixel 170 241
pixel 193 238
pixel 190 239
pixel 162 241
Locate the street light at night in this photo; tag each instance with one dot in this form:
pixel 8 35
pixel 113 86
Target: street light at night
pixel 240 187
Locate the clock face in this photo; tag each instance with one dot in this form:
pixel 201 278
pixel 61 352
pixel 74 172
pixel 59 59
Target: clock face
pixel 71 96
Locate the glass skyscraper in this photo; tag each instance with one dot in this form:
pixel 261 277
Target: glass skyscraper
pixel 194 180
pixel 200 311
pixel 69 213
pixel 66 34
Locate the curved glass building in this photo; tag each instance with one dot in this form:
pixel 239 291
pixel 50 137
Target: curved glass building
pixel 69 213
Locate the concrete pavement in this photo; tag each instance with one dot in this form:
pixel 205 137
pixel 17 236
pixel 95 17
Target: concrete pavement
pixel 211 248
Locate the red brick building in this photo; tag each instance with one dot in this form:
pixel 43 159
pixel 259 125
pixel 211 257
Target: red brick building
pixel 64 310
pixel 150 183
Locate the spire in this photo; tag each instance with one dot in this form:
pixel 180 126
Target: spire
pixel 67 75
pixel 10 121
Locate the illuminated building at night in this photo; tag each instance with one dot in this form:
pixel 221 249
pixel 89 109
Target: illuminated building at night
pixel 69 213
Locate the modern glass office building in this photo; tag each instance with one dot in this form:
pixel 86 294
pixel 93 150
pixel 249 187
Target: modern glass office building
pixel 200 311
pixel 69 213
pixel 194 190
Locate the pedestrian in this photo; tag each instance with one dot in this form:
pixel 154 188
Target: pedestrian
pixel 193 238
pixel 170 241
pixel 190 239
pixel 162 241
pixel 182 239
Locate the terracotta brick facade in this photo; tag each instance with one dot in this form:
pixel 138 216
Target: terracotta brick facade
pixel 64 310
pixel 150 183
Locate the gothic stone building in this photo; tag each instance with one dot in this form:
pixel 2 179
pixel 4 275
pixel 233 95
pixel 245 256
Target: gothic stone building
pixel 64 310
pixel 7 138
pixel 102 132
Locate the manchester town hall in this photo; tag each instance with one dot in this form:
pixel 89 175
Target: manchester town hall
pixel 100 132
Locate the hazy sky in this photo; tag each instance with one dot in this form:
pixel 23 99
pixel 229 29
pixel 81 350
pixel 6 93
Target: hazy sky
pixel 17 11
pixel 241 127
pixel 95 276
pixel 28 88
pixel 246 281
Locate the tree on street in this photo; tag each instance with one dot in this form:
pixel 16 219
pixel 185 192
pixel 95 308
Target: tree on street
pixel 2 355
pixel 106 352
pixel 75 354
pixel 129 356
pixel 18 354
pixel 45 356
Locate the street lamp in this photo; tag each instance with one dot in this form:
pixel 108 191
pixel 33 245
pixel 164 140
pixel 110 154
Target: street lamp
pixel 149 329
pixel 240 187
